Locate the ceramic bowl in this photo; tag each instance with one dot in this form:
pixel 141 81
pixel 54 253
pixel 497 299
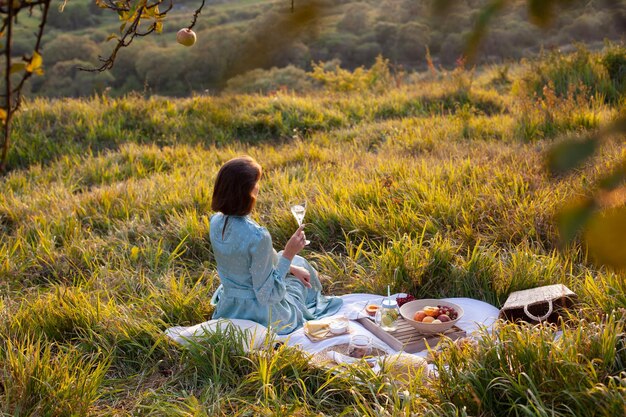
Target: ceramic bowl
pixel 409 309
pixel 338 326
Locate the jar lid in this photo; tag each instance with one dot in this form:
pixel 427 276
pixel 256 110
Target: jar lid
pixel 390 303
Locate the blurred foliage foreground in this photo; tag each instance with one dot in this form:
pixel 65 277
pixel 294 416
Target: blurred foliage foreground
pixel 104 220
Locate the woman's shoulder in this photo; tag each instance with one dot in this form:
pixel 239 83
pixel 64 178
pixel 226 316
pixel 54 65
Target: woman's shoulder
pixel 216 217
pixel 241 224
pixel 257 230
pixel 220 217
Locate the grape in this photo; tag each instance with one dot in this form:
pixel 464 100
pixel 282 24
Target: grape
pixel 449 311
pixel 404 300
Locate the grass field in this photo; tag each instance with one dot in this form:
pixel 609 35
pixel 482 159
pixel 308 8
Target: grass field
pixel 104 221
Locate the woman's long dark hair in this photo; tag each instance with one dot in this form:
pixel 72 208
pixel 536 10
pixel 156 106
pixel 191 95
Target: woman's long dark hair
pixel 232 193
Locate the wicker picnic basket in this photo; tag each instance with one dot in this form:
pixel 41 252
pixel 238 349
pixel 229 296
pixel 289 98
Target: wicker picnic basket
pixel 536 305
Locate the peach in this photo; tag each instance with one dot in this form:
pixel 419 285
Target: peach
pixel 419 316
pixel 428 319
pixel 371 309
pixel 431 311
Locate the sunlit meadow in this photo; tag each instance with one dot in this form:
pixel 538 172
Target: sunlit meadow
pixel 436 187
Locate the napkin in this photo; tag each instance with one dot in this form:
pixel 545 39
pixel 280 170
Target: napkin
pixel 355 312
pixel 341 359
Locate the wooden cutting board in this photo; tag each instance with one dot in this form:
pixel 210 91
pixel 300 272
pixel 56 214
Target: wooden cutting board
pixel 407 338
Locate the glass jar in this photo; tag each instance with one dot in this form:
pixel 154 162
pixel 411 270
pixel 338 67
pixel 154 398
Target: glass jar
pixel 360 346
pixel 387 315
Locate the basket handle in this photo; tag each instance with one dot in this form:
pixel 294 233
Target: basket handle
pixel 539 318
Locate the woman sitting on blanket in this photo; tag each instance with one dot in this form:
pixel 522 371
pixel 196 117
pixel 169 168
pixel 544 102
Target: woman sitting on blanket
pixel 280 290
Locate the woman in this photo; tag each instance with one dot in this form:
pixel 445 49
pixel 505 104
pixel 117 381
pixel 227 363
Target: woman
pixel 280 290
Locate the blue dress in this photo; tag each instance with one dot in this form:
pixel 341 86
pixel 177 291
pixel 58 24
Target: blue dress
pixel 256 284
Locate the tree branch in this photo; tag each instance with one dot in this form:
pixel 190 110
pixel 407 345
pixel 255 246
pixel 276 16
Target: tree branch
pixel 129 34
pixel 19 7
pixel 7 86
pixel 124 41
pixel 42 25
pixel 116 7
pixel 151 29
pixel 195 15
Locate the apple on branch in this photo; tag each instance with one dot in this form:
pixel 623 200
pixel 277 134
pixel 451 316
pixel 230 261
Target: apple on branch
pixel 186 37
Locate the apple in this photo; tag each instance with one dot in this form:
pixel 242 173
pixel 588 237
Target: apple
pixel 186 37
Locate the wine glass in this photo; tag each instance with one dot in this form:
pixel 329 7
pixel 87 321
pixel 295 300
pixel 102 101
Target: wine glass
pixel 298 210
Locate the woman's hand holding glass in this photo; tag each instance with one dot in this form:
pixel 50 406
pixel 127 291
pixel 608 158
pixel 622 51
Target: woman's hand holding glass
pixel 298 210
pixel 295 244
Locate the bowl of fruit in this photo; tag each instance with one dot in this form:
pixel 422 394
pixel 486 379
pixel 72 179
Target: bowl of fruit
pixel 430 315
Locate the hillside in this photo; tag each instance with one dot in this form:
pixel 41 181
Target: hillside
pixel 438 189
pixel 241 35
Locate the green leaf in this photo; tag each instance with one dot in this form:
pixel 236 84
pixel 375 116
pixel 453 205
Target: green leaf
pixel 570 154
pixel 614 179
pixel 17 67
pixel 540 11
pixel 134 253
pixel 35 64
pixel 606 238
pixel 480 28
pixel 618 126
pixel 571 220
pixel 442 6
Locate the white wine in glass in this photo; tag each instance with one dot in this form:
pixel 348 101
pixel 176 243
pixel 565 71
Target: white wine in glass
pixel 298 211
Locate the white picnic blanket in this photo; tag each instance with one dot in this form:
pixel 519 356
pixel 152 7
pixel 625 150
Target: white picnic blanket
pixel 477 314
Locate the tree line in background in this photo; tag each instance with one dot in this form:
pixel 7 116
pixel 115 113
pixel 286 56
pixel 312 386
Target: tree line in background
pixel 350 34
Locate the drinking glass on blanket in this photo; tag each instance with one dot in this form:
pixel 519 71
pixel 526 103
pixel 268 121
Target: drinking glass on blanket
pixel 360 346
pixel 298 210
